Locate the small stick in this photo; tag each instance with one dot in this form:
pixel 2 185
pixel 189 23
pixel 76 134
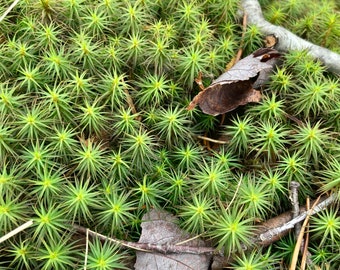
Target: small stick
pixel 306 254
pixel 261 239
pixel 16 231
pixel 299 240
pixel 287 40
pixel 149 247
pixel 190 239
pixel 211 140
pixel 175 248
pixel 293 118
pixel 9 9
pixel 86 248
pixel 266 236
pixel 294 187
pixel 237 188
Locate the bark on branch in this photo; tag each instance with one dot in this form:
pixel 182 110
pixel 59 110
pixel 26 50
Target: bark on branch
pixel 148 247
pixel 269 232
pixel 287 40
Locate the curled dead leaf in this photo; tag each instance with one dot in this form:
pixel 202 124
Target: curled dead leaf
pixel 236 86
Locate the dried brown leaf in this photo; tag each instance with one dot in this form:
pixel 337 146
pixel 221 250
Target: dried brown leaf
pixel 235 87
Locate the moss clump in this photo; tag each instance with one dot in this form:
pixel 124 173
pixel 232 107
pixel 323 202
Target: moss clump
pixel 93 129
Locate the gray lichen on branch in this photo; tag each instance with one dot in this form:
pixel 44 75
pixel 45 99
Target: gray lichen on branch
pixel 287 40
pixel 268 232
pixel 268 235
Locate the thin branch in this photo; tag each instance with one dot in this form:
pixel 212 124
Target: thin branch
pixel 9 9
pixel 294 199
pixel 294 119
pixel 190 239
pixel 211 140
pixel 288 41
pixel 266 236
pixel 306 255
pixel 17 230
pixel 261 239
pixel 86 249
pixel 147 247
pixel 300 238
pixel 234 197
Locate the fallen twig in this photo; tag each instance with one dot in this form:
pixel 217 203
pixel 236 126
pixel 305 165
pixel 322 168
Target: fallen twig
pixel 266 237
pixel 236 192
pixel 147 247
pixel 300 237
pixel 9 9
pixel 86 249
pixel 263 238
pixel 295 119
pixel 294 199
pixel 287 40
pixel 211 140
pixel 17 230
pixel 306 255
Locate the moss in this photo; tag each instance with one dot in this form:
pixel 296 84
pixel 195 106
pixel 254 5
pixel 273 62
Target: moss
pixel 94 131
